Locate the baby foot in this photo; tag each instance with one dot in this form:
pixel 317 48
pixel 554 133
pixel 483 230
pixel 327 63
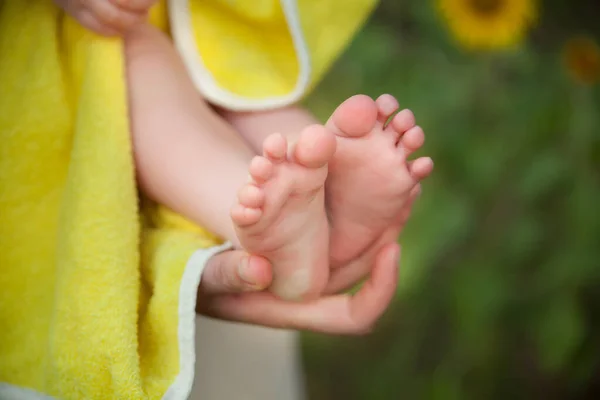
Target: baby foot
pixel 370 180
pixel 280 214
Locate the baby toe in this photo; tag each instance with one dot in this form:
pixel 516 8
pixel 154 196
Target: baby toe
pixel 355 117
pixel 387 105
pixel 244 216
pixel 275 147
pixel 403 121
pixel 315 147
pixel 412 140
pixel 251 196
pixel 260 169
pixel 420 168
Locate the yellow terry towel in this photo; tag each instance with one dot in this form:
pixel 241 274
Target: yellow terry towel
pixel 98 289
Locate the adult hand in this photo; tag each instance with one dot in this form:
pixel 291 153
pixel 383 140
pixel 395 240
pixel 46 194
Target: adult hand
pixel 232 281
pixel 108 17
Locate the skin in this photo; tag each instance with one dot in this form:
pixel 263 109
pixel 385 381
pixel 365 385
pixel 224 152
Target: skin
pixel 281 214
pixel 371 157
pixel 108 17
pixel 224 294
pixel 170 121
pixel 231 279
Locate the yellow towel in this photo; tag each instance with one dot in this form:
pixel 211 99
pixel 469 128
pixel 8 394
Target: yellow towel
pixel 97 288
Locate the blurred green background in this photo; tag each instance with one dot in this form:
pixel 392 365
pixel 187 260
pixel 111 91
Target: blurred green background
pixel 500 280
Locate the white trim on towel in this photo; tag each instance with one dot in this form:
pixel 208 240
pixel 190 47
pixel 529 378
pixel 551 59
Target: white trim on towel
pixel 183 36
pixel 11 392
pixel 181 387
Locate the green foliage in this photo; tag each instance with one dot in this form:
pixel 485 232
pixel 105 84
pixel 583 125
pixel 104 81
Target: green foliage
pixel 559 332
pixel 500 284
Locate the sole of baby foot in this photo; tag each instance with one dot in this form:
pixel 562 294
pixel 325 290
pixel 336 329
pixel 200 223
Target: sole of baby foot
pixel 280 214
pixel 355 271
pixel 370 177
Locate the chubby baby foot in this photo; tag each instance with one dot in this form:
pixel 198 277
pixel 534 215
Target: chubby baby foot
pixel 370 180
pixel 281 216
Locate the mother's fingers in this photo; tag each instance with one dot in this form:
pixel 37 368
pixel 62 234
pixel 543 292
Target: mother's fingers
pixel 235 271
pixel 341 314
pixel 375 296
pixel 113 16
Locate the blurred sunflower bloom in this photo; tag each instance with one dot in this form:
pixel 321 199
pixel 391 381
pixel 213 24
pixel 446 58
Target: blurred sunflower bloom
pixel 488 24
pixel 581 56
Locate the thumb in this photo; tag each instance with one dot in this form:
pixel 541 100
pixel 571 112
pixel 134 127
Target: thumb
pixel 235 271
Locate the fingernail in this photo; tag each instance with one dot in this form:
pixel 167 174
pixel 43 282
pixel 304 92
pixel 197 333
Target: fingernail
pixel 250 271
pixel 244 270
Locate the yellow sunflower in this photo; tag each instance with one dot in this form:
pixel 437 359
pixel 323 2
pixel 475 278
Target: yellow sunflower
pixel 581 56
pixel 488 24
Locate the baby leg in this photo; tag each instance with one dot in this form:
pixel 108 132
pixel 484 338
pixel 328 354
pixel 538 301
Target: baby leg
pixel 187 158
pixel 191 160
